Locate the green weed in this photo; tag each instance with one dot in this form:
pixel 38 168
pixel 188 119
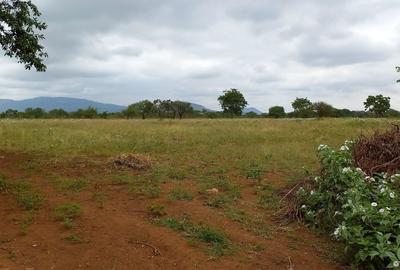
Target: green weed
pixel 180 194
pixel 67 213
pixel 219 243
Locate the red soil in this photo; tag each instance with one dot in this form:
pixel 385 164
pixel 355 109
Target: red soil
pixel 110 234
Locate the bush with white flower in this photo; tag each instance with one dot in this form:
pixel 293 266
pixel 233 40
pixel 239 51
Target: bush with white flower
pixel 360 210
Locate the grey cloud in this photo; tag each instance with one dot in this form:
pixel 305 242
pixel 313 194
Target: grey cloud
pixel 125 50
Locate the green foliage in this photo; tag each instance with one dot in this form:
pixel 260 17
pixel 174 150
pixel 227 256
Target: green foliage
pixel 378 105
pixel 19 23
pixel 232 102
pixel 228 192
pixel 267 197
pixel 303 107
pixel 218 241
pixel 276 112
pixel 180 194
pixel 157 210
pixel 67 213
pixel 145 187
pixel 142 108
pixel 34 113
pixel 323 109
pixel 361 211
pixel 181 108
pixel 100 198
pixel 27 198
pixel 75 185
pixel 30 200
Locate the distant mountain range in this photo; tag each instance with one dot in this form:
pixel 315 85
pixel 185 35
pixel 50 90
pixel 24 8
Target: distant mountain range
pixel 73 104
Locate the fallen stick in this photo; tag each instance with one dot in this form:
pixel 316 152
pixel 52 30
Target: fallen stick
pixel 6 250
pixel 156 251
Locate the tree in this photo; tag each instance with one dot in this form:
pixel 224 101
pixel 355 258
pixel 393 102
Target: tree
pixel 181 108
pixel 58 113
pixel 276 112
pixel 323 109
pixel 142 108
pixel 19 23
pixel 165 108
pixel 378 105
pixel 398 70
pixel 302 107
pixel 232 102
pixel 34 113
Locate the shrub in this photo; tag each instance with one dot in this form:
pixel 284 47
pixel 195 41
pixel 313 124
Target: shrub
pixel 360 210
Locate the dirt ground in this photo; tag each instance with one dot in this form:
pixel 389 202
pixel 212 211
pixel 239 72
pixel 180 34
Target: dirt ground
pixel 121 235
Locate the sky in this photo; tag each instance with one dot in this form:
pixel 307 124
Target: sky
pixel 123 51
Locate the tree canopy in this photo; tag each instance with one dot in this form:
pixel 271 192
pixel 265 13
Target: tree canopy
pixel 303 107
pixel 232 102
pixel 19 37
pixel 378 105
pixel 276 112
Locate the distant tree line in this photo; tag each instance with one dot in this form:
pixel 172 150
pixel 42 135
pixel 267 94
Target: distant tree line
pixel 232 104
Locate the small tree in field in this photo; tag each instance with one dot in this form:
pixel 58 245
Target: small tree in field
pixel 232 102
pixel 181 108
pixel 276 112
pixel 302 107
pixel 19 21
pixel 378 105
pixel 323 109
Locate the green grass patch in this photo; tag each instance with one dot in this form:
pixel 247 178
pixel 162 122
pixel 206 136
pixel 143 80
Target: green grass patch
pixel 267 197
pixel 27 198
pixel 74 185
pixel 100 198
pixel 67 213
pixel 250 222
pixel 217 241
pixel 180 194
pixel 144 186
pixel 228 191
pixel 30 200
pixel 157 210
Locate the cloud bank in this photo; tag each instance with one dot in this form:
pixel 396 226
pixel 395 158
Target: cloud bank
pixel 125 50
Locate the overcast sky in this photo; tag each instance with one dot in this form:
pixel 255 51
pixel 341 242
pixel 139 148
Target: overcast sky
pixel 122 51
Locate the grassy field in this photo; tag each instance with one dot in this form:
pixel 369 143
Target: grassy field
pixel 59 168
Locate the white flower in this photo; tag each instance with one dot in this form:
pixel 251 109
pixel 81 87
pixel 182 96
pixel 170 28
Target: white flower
pixel 336 232
pixel 374 204
pixel 344 148
pixel 382 190
pixel 391 195
pixel 312 192
pixel 359 170
pixel 396 264
pixel 322 146
pixel 381 210
pixel 346 170
pixel 303 206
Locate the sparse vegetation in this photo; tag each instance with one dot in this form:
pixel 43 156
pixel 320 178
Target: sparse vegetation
pixel 219 243
pixel 180 194
pixel 67 213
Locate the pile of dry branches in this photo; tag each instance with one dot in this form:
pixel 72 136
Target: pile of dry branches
pixel 379 152
pixel 132 161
